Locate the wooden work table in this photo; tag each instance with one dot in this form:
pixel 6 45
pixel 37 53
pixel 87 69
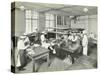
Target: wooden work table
pixel 40 52
pixel 74 50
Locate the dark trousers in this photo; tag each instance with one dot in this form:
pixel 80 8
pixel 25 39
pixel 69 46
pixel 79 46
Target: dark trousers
pixel 23 58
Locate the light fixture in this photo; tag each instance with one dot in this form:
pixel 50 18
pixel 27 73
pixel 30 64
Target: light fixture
pixel 22 8
pixel 71 17
pixel 85 10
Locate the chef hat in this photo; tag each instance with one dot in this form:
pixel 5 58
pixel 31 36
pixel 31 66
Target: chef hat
pixel 25 34
pixel 22 37
pixel 84 32
pixel 43 32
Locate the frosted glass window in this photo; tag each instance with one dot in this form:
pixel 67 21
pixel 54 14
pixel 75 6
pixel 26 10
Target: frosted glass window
pixel 34 15
pixel 31 20
pixel 28 13
pixel 34 23
pixel 28 26
pixel 49 21
pixel 47 16
pixel 51 17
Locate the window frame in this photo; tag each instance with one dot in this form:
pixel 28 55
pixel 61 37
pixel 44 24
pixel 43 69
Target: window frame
pixel 50 19
pixel 31 19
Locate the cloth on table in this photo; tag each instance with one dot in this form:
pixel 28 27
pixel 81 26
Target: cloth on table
pixel 30 51
pixel 46 45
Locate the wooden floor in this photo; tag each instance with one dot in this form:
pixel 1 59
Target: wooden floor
pixel 83 62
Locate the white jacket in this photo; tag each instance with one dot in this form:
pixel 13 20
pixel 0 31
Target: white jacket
pixel 85 40
pixel 42 38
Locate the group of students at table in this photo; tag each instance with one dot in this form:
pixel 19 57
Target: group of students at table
pixel 23 44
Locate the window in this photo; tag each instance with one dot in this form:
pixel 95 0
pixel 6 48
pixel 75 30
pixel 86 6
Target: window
pixel 31 20
pixel 61 20
pixel 28 21
pixel 65 19
pixel 49 21
pixel 28 26
pixel 35 19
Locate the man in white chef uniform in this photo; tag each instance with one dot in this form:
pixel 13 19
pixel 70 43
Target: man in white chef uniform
pixel 43 40
pixel 46 45
pixel 85 43
pixel 21 47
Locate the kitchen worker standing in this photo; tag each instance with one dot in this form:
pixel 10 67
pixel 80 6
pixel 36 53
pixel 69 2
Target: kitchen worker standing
pixel 42 37
pixel 21 57
pixel 85 43
pixel 43 40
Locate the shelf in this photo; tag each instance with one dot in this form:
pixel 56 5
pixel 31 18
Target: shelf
pixel 65 28
pixel 57 32
pixel 58 28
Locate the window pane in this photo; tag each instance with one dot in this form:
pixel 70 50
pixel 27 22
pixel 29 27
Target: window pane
pixel 35 14
pixel 51 17
pixel 51 23
pixel 31 20
pixel 58 20
pixel 47 16
pixel 65 20
pixel 28 26
pixel 28 13
pixel 47 24
pixel 62 20
pixel 34 25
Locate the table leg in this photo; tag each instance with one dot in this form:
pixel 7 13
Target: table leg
pixel 16 70
pixel 72 58
pixel 33 65
pixel 48 62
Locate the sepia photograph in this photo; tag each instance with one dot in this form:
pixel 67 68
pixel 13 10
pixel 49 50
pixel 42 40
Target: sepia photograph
pixel 49 37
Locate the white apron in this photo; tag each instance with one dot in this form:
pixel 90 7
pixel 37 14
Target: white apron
pixel 85 45
pixel 18 61
pixel 20 45
pixel 85 50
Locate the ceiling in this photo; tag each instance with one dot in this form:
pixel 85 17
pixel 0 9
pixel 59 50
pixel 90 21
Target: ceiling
pixel 58 8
